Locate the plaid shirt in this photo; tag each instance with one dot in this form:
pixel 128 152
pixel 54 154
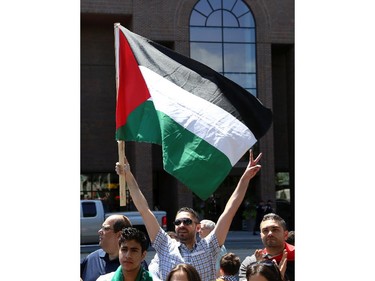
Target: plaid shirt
pixel 227 278
pixel 203 255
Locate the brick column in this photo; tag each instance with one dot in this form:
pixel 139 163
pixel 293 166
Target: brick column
pixel 143 170
pixel 266 143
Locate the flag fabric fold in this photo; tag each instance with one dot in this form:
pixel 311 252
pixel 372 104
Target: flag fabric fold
pixel 204 122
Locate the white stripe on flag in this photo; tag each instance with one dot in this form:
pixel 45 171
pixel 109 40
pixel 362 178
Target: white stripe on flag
pixel 206 120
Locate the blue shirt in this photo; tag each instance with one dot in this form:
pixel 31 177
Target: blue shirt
pixel 98 263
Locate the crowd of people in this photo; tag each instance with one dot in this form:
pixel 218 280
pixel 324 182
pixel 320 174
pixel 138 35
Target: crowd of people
pixel 195 250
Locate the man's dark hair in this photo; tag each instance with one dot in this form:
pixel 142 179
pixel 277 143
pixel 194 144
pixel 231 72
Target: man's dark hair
pixel 230 264
pixel 191 211
pixel 131 233
pixel 277 218
pixel 121 223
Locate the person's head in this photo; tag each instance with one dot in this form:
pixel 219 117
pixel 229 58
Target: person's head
pixel 290 239
pixel 183 272
pixel 229 264
pixel 186 224
pixel 206 226
pixel 265 270
pixel 133 245
pixel 273 232
pixel 110 232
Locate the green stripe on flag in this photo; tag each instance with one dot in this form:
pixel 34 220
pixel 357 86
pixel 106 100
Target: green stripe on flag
pixel 142 125
pixel 181 149
pixel 202 176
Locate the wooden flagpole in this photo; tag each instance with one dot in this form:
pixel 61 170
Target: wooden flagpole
pixel 121 156
pixel 120 143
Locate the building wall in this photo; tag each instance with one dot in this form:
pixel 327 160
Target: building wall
pixel 168 21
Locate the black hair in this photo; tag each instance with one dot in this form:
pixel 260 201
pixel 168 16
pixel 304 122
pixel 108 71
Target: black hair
pixel 268 269
pixel 132 233
pixel 277 218
pixel 191 211
pixel 290 239
pixel 230 264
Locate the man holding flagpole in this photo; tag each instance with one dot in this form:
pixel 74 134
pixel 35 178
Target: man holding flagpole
pixel 203 254
pixel 202 120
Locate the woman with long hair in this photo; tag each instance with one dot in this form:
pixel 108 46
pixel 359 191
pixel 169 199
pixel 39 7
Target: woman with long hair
pixel 265 270
pixel 183 271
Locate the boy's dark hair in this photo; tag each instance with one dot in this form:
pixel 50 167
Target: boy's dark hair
pixel 131 233
pixel 277 218
pixel 230 264
pixel 191 211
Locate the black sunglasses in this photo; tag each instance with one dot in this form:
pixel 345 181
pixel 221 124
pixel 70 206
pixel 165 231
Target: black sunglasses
pixel 185 221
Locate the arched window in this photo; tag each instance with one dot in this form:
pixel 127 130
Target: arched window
pixel 222 36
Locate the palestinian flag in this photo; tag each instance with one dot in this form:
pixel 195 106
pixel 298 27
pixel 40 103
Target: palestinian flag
pixel 204 122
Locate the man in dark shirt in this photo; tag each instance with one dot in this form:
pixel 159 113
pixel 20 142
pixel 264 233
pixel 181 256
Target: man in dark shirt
pixel 105 260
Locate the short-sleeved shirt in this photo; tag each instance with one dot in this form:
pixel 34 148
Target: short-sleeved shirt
pixel 289 273
pixel 203 255
pixel 227 278
pixel 98 263
pixel 153 267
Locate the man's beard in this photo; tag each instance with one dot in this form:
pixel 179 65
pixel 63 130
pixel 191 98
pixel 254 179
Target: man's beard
pixel 186 236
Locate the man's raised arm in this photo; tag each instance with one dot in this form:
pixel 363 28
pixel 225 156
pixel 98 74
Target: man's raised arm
pixel 140 202
pixel 234 202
